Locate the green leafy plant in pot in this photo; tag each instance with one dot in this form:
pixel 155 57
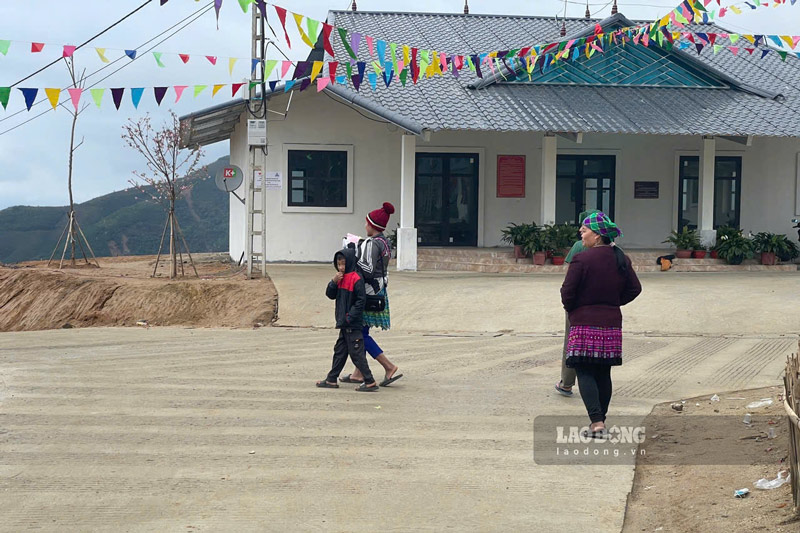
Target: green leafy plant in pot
pixel 734 248
pixel 722 232
pixel 684 242
pixel 770 246
pixel 559 238
pixel 790 252
pixel 517 235
pixel 699 252
pixel 535 245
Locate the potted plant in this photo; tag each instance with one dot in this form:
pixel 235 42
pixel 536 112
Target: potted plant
pixel 722 232
pixel 699 252
pixel 535 245
pixel 790 252
pixel 684 241
pixel 769 245
pixel 734 248
pixel 558 239
pixel 516 235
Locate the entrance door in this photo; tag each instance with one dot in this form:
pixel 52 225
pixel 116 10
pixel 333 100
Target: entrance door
pixel 727 191
pixel 584 182
pixel 446 202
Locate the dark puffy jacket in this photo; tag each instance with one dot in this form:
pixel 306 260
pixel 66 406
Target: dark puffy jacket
pixel 349 294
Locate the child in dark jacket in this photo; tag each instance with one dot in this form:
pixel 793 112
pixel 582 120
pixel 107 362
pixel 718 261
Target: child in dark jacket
pixel 347 288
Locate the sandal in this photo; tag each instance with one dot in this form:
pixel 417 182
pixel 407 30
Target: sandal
pixel 325 385
pixel 388 381
pixel 348 379
pixel 365 388
pixel 599 434
pixel 563 391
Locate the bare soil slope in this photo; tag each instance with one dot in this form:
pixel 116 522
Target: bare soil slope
pixel 122 293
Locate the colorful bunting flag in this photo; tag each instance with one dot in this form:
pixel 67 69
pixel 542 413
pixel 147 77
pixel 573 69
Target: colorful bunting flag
pixel 101 52
pixel 97 96
pixel 117 95
pixel 157 55
pixel 285 66
pixel 5 93
pixel 68 50
pixel 131 54
pixel 184 58
pixel 212 59
pixel 235 89
pixel 322 83
pixel 347 47
pixel 216 89
pixel 231 64
pixel 269 66
pixel 199 89
pixel 160 93
pixel 75 95
pixel 30 96
pixel 253 66
pixel 326 39
pixel 282 16
pixel 298 20
pixel 53 95
pixel 179 91
pixel 136 96
pixel 37 47
pixel 4 46
pixel 315 70
pixel 245 4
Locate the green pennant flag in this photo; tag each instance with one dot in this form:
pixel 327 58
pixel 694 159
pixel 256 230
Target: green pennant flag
pixel 734 37
pixel 246 4
pixel 680 18
pixel 700 7
pixel 97 96
pixel 5 92
pixel 470 64
pixel 313 28
pixel 198 89
pixel 158 55
pixel 377 67
pixel 717 48
pixel 349 68
pixel 426 60
pixel 393 48
pixel 782 54
pixel 343 36
pixel 404 77
pixel 269 66
pixel 4 45
pixel 253 85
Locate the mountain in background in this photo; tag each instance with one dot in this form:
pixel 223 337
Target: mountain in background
pixel 120 223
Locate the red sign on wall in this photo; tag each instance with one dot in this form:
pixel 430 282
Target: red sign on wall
pixel 511 176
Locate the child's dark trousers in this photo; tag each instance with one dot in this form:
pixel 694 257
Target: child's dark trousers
pixel 350 341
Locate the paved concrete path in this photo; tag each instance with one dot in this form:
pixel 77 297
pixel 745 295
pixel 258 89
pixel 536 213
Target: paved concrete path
pixel 685 303
pixel 221 430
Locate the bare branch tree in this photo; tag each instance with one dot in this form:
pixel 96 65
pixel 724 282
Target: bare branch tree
pixel 164 182
pixel 73 230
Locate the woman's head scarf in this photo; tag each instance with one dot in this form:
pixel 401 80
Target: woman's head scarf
pixel 602 225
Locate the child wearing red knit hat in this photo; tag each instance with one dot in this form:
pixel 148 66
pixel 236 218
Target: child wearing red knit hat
pixel 373 255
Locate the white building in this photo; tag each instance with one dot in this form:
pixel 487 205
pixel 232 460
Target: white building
pixel 655 138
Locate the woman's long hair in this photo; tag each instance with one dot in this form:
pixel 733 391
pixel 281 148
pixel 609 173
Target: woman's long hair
pixel 622 264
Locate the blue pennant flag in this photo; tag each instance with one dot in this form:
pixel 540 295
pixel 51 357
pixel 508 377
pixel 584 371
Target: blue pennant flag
pixel 136 96
pixel 30 96
pixel 131 53
pixel 373 80
pixel 289 85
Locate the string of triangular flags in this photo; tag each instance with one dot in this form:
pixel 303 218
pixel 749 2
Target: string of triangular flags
pixel 103 54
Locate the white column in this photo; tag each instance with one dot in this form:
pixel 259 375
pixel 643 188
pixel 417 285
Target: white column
pixel 407 233
pixel 705 211
pixel 547 211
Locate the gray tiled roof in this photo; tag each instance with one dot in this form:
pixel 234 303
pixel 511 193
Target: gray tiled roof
pixel 447 103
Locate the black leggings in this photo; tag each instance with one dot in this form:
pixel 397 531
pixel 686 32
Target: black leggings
pixel 594 382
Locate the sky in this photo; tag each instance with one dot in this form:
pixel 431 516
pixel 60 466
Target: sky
pixel 34 156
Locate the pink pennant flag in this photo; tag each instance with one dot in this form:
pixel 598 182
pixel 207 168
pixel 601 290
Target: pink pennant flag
pixel 371 45
pixel 75 94
pixel 37 47
pixel 184 58
pixel 322 82
pixel 285 66
pixel 734 50
pixel 722 12
pixel 212 59
pixel 443 61
pixel 68 50
pixel 179 91
pixel 796 40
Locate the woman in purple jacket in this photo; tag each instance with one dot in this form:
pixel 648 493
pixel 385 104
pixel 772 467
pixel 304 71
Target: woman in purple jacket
pixel 598 282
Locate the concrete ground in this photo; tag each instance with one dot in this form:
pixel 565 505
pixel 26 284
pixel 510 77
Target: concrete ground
pixel 222 430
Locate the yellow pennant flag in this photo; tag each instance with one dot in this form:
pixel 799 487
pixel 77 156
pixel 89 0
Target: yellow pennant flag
pixel 736 10
pixel 664 21
pixel 493 54
pixel 316 69
pixel 102 53
pixel 406 56
pixel 750 38
pixel 53 95
pixel 788 40
pixel 217 88
pixel 298 18
pixel 231 63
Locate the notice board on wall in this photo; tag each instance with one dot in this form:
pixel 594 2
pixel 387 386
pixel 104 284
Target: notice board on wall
pixel 646 190
pixel 511 176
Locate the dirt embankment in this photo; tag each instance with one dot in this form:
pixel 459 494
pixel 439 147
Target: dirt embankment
pixel 121 293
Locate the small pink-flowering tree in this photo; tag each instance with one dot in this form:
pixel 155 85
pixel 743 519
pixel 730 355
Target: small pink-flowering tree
pixel 165 180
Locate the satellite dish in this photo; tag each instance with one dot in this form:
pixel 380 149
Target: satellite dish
pixel 229 178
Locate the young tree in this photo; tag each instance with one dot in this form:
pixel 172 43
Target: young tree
pixel 167 166
pixel 73 230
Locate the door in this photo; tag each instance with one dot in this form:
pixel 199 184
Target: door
pixel 727 191
pixel 446 201
pixel 584 182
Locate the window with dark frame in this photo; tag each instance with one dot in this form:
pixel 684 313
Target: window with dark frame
pixel 317 178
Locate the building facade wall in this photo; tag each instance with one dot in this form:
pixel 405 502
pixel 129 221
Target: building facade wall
pixel 769 178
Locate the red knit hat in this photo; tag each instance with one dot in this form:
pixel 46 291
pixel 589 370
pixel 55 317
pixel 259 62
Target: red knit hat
pixel 380 217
